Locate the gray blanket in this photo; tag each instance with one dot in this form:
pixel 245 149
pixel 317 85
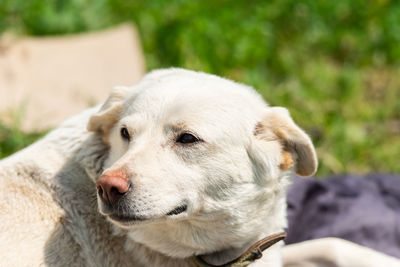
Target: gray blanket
pixel 361 209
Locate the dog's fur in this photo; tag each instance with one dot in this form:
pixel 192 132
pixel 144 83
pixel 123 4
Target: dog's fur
pixel 232 181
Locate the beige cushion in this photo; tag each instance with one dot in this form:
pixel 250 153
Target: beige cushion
pixel 45 80
pixel 334 252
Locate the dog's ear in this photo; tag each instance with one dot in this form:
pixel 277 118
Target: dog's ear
pixel 297 148
pixel 109 113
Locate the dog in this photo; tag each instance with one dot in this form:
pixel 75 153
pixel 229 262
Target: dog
pixel 182 169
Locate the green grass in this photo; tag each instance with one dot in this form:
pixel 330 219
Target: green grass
pixel 13 139
pixel 334 64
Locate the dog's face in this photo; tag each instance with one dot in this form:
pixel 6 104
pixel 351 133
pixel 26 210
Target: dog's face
pixel 196 162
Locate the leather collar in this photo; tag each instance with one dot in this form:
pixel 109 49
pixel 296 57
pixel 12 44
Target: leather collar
pixel 249 256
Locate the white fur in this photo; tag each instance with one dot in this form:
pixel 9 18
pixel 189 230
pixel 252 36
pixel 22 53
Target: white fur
pixel 232 182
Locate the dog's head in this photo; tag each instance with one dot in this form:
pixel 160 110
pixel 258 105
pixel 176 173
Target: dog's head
pixel 196 163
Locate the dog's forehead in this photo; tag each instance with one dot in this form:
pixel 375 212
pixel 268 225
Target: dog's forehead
pixel 195 96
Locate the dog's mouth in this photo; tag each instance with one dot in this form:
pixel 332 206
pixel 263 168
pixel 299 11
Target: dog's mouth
pixel 126 218
pixel 178 210
pixel 129 219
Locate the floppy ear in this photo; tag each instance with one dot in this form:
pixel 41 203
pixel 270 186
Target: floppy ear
pixel 297 148
pixel 109 113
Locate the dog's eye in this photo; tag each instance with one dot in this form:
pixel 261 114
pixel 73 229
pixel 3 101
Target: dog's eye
pixel 187 138
pixel 125 134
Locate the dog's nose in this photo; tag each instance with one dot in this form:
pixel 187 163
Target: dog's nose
pixel 112 186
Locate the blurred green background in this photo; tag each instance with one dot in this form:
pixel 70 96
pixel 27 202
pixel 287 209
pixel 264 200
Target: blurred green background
pixel 333 64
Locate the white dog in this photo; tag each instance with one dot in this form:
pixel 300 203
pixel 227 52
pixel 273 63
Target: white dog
pixel 188 168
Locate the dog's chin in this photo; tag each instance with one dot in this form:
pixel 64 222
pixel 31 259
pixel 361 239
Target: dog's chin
pixel 130 219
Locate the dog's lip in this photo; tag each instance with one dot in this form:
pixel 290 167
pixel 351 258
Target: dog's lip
pixel 178 210
pixel 133 219
pixel 126 218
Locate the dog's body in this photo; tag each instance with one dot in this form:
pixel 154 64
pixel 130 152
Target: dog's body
pixel 184 163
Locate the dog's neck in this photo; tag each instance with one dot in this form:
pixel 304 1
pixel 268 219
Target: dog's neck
pixel 221 257
pixel 239 256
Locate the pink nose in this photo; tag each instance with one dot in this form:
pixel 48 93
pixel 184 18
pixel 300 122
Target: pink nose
pixel 112 185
